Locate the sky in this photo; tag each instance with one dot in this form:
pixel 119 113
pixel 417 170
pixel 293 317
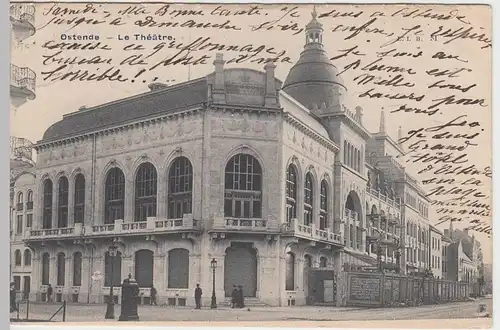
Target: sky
pixel 368 31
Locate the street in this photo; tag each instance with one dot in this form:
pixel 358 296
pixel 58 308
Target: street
pixel 86 313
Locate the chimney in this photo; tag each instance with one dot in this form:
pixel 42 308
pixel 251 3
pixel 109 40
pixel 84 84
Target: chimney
pixel 382 122
pixel 219 88
pixel 270 97
pixel 359 114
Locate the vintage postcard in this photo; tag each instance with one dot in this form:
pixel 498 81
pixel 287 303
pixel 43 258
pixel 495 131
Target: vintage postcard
pixel 236 163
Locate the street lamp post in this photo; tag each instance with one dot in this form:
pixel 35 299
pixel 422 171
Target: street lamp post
pixel 110 307
pixel 213 265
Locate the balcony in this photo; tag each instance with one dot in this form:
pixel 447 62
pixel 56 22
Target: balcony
pixel 151 226
pixel 22 84
pixel 19 206
pixel 56 233
pixel 377 194
pixel 245 224
pixel 22 18
pixel 311 232
pixel 29 205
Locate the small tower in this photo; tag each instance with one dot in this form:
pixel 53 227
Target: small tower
pixel 382 122
pixel 314 31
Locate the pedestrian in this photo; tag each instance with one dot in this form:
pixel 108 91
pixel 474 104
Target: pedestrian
pixel 234 297
pixel 153 295
pixel 13 305
pixel 240 296
pixel 49 293
pixel 197 296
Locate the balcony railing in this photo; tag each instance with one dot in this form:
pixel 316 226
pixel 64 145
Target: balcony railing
pixel 29 205
pixel 23 13
pixel 19 206
pixel 56 232
pixel 246 224
pixel 151 225
pixel 23 78
pixel 311 232
pixel 377 194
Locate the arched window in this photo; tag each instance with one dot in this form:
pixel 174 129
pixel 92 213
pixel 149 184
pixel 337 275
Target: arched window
pixel 79 209
pixel 323 262
pixel 27 257
pixel 116 263
pixel 17 258
pixel 47 204
pixel 358 162
pixel 61 268
pixel 145 192
pixel 62 215
pixel 178 269
pixel 308 200
pixel 290 272
pixel 20 198
pixel 30 196
pixel 291 193
pixel 114 196
pixel 45 268
pixel 323 205
pixel 77 269
pixel 180 188
pixel 243 188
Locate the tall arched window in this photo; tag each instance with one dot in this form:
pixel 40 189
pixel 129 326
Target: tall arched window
pixel 61 268
pixel 45 268
pixel 20 198
pixel 27 257
pixel 290 272
pixel 308 200
pixel 62 214
pixel 17 258
pixel 116 263
pixel 47 204
pixel 180 188
pixel 79 208
pixel 291 193
pixel 323 205
pixel 114 196
pixel 145 192
pixel 77 269
pixel 178 269
pixel 346 156
pixel 29 201
pixel 243 188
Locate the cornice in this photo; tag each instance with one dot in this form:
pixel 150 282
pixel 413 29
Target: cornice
pixel 182 112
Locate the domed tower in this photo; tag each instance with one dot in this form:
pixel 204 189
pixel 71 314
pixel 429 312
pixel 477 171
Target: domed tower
pixel 314 80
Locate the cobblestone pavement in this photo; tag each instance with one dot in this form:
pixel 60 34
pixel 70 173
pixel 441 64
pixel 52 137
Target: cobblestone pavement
pixel 86 313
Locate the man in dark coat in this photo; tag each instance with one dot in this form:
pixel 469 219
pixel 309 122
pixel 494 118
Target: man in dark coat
pixel 153 295
pixel 241 299
pixel 197 296
pixel 234 297
pixel 13 305
pixel 49 293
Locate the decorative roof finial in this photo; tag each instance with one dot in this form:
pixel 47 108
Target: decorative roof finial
pixel 382 122
pixel 314 13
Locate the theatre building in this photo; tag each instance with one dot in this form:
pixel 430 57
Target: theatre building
pixel 266 177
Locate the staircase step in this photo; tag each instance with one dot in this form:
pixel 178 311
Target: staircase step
pixel 249 302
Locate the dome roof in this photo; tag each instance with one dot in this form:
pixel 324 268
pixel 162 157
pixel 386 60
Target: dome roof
pixel 314 80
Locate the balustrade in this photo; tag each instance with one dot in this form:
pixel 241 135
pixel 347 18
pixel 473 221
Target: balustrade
pixel 311 232
pixel 22 78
